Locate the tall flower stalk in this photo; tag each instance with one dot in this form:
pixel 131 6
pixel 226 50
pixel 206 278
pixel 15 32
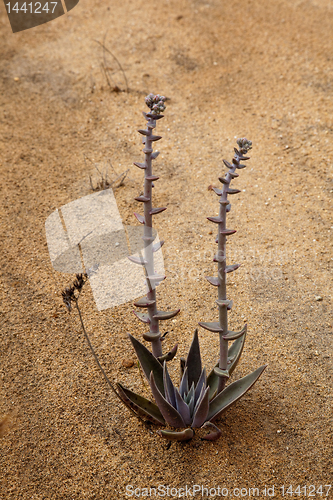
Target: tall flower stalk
pixel 156 103
pixel 220 282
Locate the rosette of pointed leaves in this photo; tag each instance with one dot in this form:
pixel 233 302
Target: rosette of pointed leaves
pixel 196 401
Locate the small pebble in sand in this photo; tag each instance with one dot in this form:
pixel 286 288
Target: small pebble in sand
pixel 318 298
pixel 127 363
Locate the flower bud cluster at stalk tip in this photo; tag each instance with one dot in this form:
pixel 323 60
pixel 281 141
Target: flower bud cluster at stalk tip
pixel 244 144
pixel 155 103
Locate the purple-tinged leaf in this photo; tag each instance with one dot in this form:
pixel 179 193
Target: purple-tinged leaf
pixel 144 302
pixel 183 388
pixel 185 435
pixel 161 315
pixel 158 245
pixel 141 405
pixel 142 198
pixel 183 408
pixel 169 388
pixel 170 414
pixel 140 165
pixel 170 355
pixel 233 267
pixel 233 174
pixel 155 137
pixel 148 363
pixel 217 191
pixel 189 395
pixel 152 116
pixel 218 258
pixel 202 382
pixel 235 335
pixel 241 166
pixel 140 218
pixel 221 373
pixel 137 260
pixel 142 317
pixel 193 362
pixel 223 180
pixel 224 202
pixel 233 191
pixel 144 132
pixel 201 411
pixel 224 303
pixel 151 337
pixel 151 178
pixel 155 155
pixel 234 354
pixel 214 435
pixel 227 232
pixel 212 327
pixel 227 164
pixel 217 220
pixel 155 211
pixel 155 279
pixel 212 280
pixel 232 393
pixel 147 150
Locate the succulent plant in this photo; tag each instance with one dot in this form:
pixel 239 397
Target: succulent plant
pixel 153 316
pixel 199 400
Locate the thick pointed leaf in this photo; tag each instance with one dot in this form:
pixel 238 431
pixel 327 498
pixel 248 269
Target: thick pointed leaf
pixel 141 405
pixel 137 260
pixel 140 218
pixel 235 335
pixel 161 315
pixel 142 317
pixel 212 280
pixel 234 354
pixel 184 435
pixel 169 388
pixel 140 165
pixel 221 373
pixel 233 267
pixel 144 302
pixel 158 245
pixel 227 232
pixel 190 394
pixel 151 177
pixel 183 387
pixel 169 355
pixel 155 211
pixel 201 412
pixel 193 361
pixel 212 327
pixel 202 382
pixel 170 414
pixel 191 406
pixel 232 393
pixel 142 198
pixel 149 363
pixel 183 408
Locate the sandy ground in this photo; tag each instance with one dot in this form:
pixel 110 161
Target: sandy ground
pixel 259 69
